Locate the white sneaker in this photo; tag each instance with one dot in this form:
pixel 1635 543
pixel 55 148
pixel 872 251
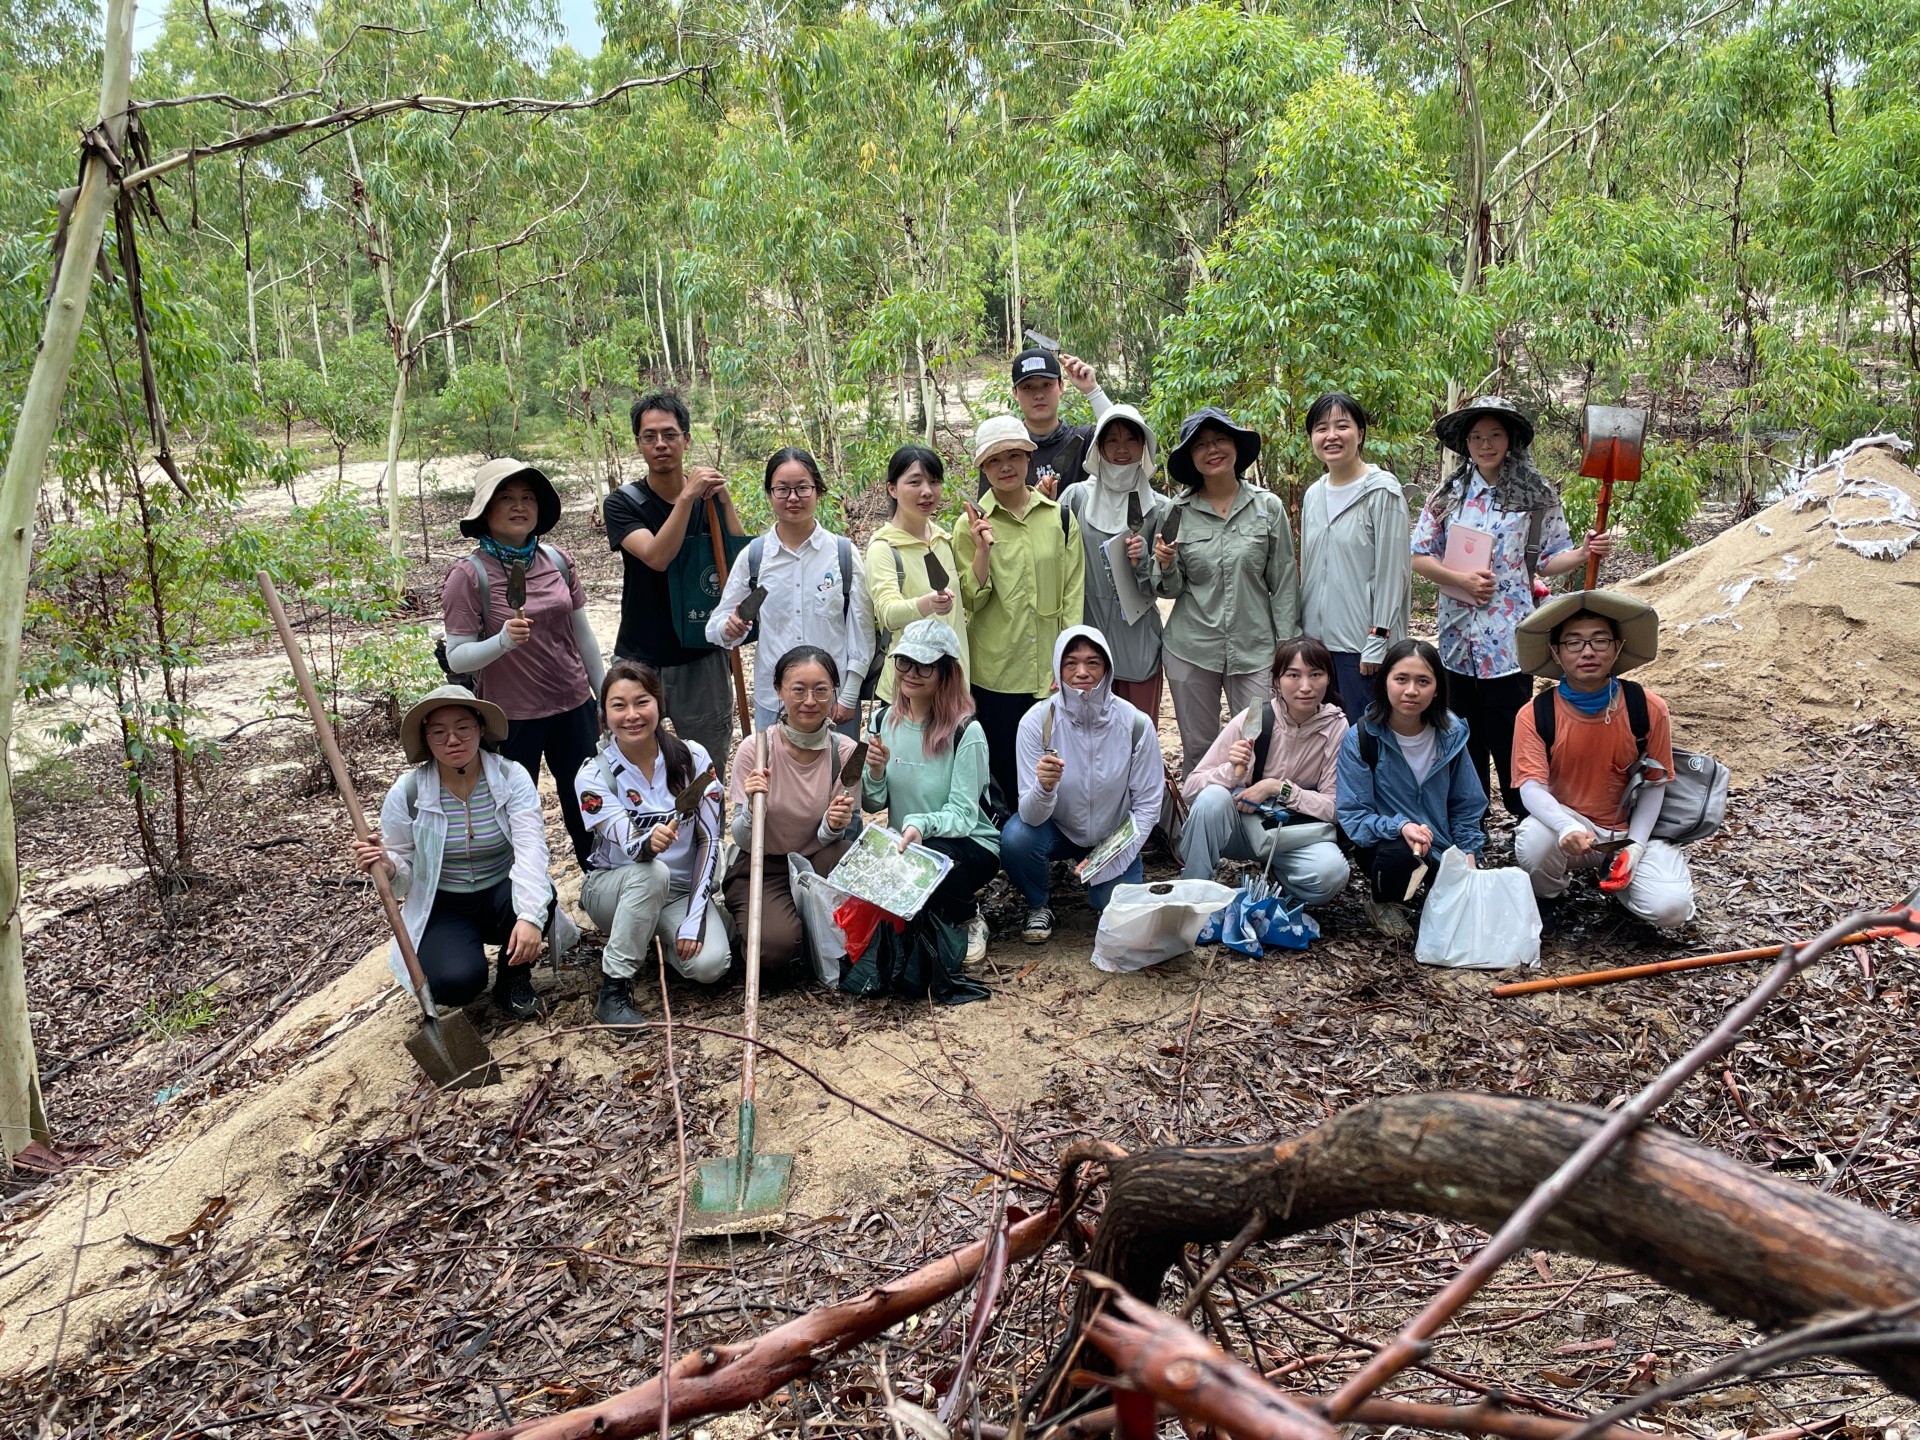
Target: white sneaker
pixel 976 939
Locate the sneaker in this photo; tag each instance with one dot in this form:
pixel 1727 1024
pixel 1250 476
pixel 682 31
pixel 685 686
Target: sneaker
pixel 1553 916
pixel 1039 927
pixel 1390 919
pixel 976 940
pixel 615 1006
pixel 513 992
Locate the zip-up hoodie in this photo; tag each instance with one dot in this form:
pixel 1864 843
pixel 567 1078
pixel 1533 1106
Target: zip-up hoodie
pixel 1111 759
pixel 893 604
pixel 1306 754
pixel 1375 801
pixel 1136 647
pixel 1356 572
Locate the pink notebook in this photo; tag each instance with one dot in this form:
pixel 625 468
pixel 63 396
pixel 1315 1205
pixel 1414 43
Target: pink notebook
pixel 1468 549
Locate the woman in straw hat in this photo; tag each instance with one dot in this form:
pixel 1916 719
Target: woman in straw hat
pixel 463 838
pixel 537 661
pixel 1511 514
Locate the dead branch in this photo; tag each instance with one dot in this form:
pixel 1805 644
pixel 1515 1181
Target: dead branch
pixel 721 1378
pixel 1750 1244
pixel 1170 1361
pixel 1484 1418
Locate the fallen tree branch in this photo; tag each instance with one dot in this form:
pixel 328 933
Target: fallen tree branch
pixel 1169 1360
pixel 719 1378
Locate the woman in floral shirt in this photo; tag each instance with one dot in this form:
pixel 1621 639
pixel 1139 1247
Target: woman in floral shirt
pixel 1499 491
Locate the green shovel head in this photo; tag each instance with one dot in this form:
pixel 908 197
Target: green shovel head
pixel 744 1194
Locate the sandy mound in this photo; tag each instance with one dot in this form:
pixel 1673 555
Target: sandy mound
pixel 1808 611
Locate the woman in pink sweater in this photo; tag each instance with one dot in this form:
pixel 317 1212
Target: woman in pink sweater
pixel 1264 791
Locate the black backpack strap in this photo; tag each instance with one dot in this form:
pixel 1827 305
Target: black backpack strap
pixel 483 585
pixel 845 547
pixel 1536 521
pixel 1543 719
pixel 1369 744
pixel 753 561
pixel 1262 743
pixel 1635 695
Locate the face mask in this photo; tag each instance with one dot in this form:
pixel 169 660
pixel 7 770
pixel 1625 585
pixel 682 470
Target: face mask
pixel 1122 477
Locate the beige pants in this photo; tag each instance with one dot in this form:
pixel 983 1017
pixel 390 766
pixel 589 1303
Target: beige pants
pixel 1660 892
pixel 637 903
pixel 1196 703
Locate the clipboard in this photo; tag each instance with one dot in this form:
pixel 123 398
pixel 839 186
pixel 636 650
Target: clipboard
pixel 1134 602
pixel 1468 549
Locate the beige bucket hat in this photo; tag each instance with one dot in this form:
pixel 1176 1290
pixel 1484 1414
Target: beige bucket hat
pixel 495 473
pixel 493 720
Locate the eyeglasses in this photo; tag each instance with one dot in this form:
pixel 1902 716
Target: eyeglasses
pixel 1577 643
pixel 784 492
pixel 912 667
pixel 659 437
pixel 817 693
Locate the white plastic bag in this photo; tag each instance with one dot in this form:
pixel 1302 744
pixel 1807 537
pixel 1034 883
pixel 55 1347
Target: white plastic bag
pixel 1145 924
pixel 816 901
pixel 1479 919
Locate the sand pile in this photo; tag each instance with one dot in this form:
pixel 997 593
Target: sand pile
pixel 1807 612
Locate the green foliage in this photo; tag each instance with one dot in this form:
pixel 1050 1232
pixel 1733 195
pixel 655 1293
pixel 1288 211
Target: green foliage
pixel 1333 280
pixel 392 667
pixel 477 408
pixel 177 1016
pixel 1651 514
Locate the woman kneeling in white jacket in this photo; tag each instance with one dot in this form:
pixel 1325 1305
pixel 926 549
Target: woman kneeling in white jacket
pixel 464 839
pixel 1087 762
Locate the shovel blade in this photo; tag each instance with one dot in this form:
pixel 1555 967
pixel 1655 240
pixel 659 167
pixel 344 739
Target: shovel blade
pixel 450 1052
pixel 726 1202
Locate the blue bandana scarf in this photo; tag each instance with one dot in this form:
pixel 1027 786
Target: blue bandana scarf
pixel 1592 704
pixel 507 554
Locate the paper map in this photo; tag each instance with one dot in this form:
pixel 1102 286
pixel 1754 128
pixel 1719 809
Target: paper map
pixel 1106 850
pixel 875 870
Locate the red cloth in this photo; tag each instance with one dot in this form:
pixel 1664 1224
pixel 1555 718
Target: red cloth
pixel 861 920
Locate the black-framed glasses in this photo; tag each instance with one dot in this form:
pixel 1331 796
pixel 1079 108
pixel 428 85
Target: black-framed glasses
pixel 784 492
pixel 912 667
pixel 1577 643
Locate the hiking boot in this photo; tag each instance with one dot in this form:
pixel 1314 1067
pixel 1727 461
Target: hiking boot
pixel 513 992
pixel 615 1006
pixel 1039 927
pixel 1553 916
pixel 1389 919
pixel 976 940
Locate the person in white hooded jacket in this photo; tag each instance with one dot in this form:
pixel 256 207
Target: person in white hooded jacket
pixel 1088 762
pixel 1266 789
pixel 1119 465
pixel 1356 567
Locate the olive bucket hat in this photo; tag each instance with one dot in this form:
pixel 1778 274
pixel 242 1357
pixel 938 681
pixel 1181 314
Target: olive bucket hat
pixel 495 473
pixel 1451 428
pixel 1637 623
pixel 413 744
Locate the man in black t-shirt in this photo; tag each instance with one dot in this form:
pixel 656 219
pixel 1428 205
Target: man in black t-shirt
pixel 650 522
pixel 1059 451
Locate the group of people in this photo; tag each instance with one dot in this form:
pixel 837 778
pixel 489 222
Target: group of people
pixel 1015 667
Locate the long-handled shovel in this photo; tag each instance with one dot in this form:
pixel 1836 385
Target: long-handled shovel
pixel 748 1193
pixel 446 1047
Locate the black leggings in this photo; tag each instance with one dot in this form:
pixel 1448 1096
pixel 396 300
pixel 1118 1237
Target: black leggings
pixel 452 950
pixel 1489 708
pixel 1000 715
pixel 973 866
pixel 565 740
pixel 1388 867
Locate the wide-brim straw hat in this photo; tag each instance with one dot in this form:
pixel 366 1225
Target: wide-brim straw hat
pixel 413 744
pixel 1246 444
pixel 1637 622
pixel 1451 428
pixel 495 473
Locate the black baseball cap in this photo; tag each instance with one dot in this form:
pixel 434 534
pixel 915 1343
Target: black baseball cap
pixel 1035 362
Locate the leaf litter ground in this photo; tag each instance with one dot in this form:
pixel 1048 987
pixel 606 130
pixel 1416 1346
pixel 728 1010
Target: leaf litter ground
pixel 309 1240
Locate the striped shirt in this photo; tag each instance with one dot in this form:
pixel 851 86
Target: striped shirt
pixel 479 853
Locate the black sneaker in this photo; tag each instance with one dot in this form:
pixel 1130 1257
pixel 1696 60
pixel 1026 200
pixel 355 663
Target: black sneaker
pixel 615 1006
pixel 1553 916
pixel 513 992
pixel 1039 927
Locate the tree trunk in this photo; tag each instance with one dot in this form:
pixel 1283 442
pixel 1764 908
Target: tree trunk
pixel 660 313
pixel 246 266
pixel 402 368
pixel 446 319
pixel 313 312
pixel 1748 1243
pixel 22 1116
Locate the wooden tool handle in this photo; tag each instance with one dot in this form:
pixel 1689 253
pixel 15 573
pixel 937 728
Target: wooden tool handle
pixel 756 881
pixel 1599 523
pixel 1667 967
pixel 337 762
pixel 733 656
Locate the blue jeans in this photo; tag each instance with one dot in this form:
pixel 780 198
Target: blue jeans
pixel 1355 689
pixel 1026 851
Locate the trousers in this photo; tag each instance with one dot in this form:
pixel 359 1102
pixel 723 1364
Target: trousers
pixel 633 905
pixel 1355 689
pixel 1660 893
pixel 1143 695
pixel 1389 866
pixel 452 949
pixel 1196 703
pixel 565 741
pixel 1489 708
pixel 1000 714
pixel 783 935
pixel 700 705
pixel 1027 851
pixel 1216 831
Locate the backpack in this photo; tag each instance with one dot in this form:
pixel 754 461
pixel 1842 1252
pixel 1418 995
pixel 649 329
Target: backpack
pixel 1696 800
pixel 882 638
pixel 472 682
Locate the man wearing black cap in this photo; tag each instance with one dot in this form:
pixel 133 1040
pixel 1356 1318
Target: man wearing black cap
pixel 1059 451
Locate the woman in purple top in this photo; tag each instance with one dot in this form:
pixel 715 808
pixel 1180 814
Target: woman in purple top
pixel 539 661
pixel 1497 489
